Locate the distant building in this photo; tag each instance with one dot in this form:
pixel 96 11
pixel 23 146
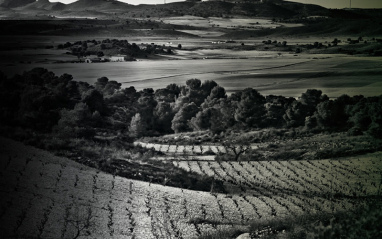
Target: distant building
pixel 118 58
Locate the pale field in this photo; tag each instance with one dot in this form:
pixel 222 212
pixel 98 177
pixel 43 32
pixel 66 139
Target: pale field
pixel 267 72
pixel 203 33
pixel 218 22
pixel 270 73
pixel 44 196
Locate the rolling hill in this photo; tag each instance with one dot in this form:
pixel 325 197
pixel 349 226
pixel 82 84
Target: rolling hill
pixel 14 3
pixel 44 5
pixel 98 5
pixel 274 9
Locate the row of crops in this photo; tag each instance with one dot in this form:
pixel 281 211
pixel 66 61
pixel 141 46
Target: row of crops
pixel 347 177
pixel 185 149
pixel 44 196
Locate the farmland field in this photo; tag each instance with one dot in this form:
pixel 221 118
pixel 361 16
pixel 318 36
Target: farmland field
pixel 268 73
pixel 53 197
pixel 218 22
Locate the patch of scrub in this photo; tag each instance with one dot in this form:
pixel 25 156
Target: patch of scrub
pixel 202 33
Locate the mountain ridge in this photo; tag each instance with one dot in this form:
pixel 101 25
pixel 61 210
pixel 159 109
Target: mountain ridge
pixel 44 5
pixel 105 5
pixel 14 3
pixel 273 9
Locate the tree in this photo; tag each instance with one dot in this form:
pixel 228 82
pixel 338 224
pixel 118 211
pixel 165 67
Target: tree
pixel 146 106
pixel 173 88
pixel 250 109
pixel 375 130
pixel 94 99
pixel 180 123
pixel 138 126
pixel 358 115
pixel 311 98
pixel 163 117
pixel 331 114
pixel 227 109
pixel 180 102
pixel 110 88
pixel 375 112
pixel 296 112
pixel 365 115
pixel 217 93
pixel 202 120
pixel 100 54
pixel 236 146
pixel 209 119
pixel 165 95
pixel 76 123
pixel 194 84
pixel 38 108
pixel 275 107
pixel 207 87
pixel 101 83
pixel 84 45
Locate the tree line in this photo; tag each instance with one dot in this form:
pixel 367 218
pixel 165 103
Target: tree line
pixel 40 101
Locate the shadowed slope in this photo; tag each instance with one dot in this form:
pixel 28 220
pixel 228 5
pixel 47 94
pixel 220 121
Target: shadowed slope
pixel 44 5
pixel 15 3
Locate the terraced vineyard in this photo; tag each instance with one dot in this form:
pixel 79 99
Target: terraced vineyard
pixel 44 196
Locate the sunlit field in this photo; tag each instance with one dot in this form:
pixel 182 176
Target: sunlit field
pixel 269 73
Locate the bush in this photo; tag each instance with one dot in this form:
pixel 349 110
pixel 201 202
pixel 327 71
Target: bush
pixel 375 130
pixel 288 155
pixel 364 223
pixel 209 152
pixel 54 143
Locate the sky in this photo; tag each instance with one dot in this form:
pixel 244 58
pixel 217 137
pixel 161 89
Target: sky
pixel 325 3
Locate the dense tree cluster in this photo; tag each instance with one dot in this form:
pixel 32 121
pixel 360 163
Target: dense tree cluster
pixel 112 46
pixel 43 102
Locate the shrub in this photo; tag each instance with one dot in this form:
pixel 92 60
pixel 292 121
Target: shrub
pixel 209 152
pixel 288 155
pixel 364 223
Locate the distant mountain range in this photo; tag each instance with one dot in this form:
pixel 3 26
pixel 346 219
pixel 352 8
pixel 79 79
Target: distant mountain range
pixel 15 3
pixel 212 8
pixel 43 5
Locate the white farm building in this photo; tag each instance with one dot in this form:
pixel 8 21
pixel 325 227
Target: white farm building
pixel 117 58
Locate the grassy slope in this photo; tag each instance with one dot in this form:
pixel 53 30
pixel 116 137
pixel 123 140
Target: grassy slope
pixel 47 196
pixel 330 27
pixel 44 196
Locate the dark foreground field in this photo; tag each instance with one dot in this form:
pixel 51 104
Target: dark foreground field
pixel 45 196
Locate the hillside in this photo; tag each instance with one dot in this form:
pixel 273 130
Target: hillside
pixel 98 5
pixel 271 9
pixel 45 196
pixel 14 3
pixel 44 5
pixel 324 27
